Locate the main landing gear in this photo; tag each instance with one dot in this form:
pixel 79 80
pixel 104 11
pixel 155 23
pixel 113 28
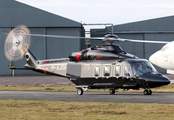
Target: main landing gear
pixel 147 92
pixel 111 91
pixel 81 89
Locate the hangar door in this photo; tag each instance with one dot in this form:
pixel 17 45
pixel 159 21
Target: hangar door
pixel 4 70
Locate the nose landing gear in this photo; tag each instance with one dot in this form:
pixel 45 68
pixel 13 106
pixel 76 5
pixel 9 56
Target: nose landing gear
pixel 147 90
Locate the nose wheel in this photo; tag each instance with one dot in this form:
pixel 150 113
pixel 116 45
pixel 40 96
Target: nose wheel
pixel 147 92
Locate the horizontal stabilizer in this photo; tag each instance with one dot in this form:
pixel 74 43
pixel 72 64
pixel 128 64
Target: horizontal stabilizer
pixel 12 67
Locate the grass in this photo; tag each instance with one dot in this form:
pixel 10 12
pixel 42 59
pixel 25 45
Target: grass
pixel 168 88
pixel 56 110
pixel 39 87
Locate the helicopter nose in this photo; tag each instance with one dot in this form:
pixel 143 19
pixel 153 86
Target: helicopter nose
pixel 156 79
pixel 164 80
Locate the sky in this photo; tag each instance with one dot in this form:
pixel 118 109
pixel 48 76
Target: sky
pixel 106 11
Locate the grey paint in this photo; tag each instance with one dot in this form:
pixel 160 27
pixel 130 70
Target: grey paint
pixel 74 69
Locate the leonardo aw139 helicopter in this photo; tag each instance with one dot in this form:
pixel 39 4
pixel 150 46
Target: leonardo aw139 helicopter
pixel 99 67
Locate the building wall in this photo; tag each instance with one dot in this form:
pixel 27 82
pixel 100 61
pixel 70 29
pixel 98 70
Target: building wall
pixel 14 13
pixel 4 62
pixel 43 48
pixel 160 29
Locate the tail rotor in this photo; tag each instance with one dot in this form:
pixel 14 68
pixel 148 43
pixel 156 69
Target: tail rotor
pixel 17 43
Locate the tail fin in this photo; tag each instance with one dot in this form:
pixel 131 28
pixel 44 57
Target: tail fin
pixel 31 60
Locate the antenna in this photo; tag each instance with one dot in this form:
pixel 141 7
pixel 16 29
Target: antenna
pixel 88 41
pixel 101 24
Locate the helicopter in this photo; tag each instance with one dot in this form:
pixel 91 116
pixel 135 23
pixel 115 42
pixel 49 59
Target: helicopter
pixel 98 67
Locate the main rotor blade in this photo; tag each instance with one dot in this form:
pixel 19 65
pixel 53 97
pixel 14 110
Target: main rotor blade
pixel 95 38
pixel 142 41
pixel 59 36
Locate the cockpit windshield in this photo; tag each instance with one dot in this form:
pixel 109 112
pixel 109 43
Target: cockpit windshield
pixel 165 48
pixel 143 67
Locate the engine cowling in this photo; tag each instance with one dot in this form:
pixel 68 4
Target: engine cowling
pixel 79 56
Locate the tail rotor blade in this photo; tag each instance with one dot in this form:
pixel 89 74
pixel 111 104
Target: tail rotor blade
pixel 17 43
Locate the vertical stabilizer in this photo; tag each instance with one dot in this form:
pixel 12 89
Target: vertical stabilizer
pixel 31 59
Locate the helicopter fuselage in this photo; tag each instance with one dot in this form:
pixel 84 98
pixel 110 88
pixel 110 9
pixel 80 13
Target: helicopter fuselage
pixel 101 74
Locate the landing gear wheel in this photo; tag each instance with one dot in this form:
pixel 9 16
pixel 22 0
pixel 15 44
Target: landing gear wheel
pixel 147 92
pixel 150 92
pixel 79 91
pixel 112 91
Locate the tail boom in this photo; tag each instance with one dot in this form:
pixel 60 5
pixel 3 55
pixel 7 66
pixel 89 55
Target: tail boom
pixel 51 66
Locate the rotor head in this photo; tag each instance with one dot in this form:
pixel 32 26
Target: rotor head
pixel 110 38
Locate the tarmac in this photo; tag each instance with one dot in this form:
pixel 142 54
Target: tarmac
pixel 128 97
pixel 33 80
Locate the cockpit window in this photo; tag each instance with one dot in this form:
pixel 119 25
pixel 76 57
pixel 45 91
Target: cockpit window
pixel 141 68
pixel 165 48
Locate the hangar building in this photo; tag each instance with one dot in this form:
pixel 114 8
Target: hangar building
pixel 14 13
pixel 160 29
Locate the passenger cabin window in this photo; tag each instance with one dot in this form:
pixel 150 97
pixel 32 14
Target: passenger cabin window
pixel 117 70
pixel 97 71
pixel 127 71
pixel 107 70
